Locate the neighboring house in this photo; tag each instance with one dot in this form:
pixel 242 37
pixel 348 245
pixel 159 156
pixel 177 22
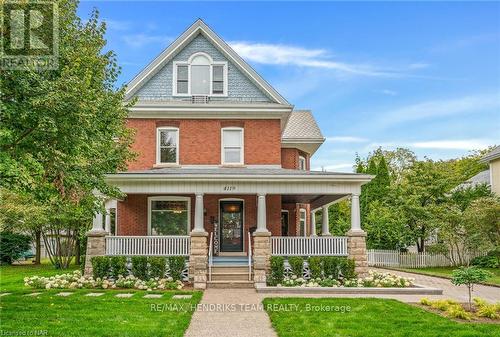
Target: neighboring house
pixel 482 178
pixel 493 159
pixel 223 168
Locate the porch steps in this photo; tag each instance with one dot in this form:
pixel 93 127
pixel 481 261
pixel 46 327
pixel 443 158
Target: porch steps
pixel 230 272
pixel 230 284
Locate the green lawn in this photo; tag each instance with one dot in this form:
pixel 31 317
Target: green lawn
pixel 446 272
pixel 78 315
pixel 367 317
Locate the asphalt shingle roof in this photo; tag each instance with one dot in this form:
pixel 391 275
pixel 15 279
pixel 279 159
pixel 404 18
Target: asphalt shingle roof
pixel 301 124
pixel 492 155
pixel 237 171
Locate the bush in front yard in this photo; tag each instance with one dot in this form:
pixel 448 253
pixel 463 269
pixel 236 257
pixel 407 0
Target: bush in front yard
pixel 118 266
pixel 315 266
pixel 347 268
pixel 297 265
pixel 176 265
pixel 12 246
pixel 488 261
pixel 277 270
pixel 100 266
pixel 157 266
pixel 140 267
pixel 331 266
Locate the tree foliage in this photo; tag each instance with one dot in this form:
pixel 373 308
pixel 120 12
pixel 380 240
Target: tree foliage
pixel 63 129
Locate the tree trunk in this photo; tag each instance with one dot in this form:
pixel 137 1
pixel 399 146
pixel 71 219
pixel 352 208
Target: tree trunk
pixel 77 248
pixel 38 247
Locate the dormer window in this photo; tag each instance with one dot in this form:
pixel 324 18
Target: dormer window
pixel 200 76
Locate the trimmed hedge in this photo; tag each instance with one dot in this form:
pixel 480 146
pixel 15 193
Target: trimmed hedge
pixel 297 265
pixel 176 266
pixel 277 270
pixel 118 266
pixel 157 266
pixel 315 266
pixel 140 267
pixel 100 266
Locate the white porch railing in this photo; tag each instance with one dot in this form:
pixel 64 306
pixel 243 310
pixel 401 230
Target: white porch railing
pixel 309 246
pixel 148 245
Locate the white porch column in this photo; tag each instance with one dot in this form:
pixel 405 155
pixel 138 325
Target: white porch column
pixel 198 214
pixel 261 213
pixel 313 223
pixel 325 230
pixel 355 215
pixel 107 221
pixel 97 223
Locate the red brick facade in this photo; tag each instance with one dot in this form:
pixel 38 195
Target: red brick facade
pixel 200 141
pixel 290 158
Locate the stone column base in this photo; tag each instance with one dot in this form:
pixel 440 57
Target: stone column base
pixel 198 260
pixel 261 257
pixel 96 246
pixel 356 249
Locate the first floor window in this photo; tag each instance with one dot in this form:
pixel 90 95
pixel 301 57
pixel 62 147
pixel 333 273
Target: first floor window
pixel 169 216
pixel 168 143
pixel 302 222
pixel 232 146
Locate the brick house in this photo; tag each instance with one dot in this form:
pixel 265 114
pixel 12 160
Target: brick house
pixel 223 170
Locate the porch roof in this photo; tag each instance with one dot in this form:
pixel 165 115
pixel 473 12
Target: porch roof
pixel 238 173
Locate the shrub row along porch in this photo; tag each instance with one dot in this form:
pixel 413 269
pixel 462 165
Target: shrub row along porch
pixel 250 214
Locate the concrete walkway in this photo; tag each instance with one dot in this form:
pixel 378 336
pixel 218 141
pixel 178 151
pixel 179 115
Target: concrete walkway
pixel 230 312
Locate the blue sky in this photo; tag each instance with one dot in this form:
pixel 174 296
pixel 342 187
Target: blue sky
pixel 420 75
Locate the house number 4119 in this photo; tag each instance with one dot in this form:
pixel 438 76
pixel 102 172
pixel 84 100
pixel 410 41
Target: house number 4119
pixel 229 188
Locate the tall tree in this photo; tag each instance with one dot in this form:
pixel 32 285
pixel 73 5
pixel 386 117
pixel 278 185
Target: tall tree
pixel 63 129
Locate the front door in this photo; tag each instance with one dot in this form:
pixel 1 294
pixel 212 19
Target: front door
pixel 231 226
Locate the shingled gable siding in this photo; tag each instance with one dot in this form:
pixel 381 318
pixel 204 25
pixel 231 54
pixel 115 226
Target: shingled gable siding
pixel 240 88
pixel 200 141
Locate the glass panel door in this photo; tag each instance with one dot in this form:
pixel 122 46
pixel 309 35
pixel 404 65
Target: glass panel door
pixel 231 228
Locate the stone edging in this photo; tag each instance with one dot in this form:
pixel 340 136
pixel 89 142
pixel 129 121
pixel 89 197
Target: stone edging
pixel 416 290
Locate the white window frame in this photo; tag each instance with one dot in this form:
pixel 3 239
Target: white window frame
pixel 242 157
pixel 169 198
pixel 188 64
pixel 302 160
pixel 302 211
pixel 158 152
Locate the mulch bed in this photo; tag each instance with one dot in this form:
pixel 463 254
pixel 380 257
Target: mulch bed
pixel 474 319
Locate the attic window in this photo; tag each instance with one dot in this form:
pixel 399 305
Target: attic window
pixel 200 76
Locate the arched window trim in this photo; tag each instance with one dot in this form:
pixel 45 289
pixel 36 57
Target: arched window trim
pixel 212 63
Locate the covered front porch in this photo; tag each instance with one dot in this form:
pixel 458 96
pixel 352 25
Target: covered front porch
pixel 238 212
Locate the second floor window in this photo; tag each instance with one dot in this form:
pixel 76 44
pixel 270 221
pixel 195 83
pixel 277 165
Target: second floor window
pixel 302 163
pixel 200 75
pixel 232 146
pixel 167 148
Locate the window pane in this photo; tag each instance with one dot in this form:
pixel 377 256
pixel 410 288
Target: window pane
pixel 232 137
pixel 218 87
pixel 200 80
pixel 182 73
pixel 168 137
pixel 169 217
pixel 182 87
pixel 168 155
pixel 218 73
pixel 232 155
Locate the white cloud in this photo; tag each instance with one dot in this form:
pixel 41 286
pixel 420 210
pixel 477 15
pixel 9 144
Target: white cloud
pixel 388 92
pixel 117 25
pixel 346 139
pixel 141 40
pixel 419 65
pixel 441 108
pixel 443 144
pixel 278 54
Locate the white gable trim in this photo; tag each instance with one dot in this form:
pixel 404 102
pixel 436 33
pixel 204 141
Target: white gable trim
pixel 200 27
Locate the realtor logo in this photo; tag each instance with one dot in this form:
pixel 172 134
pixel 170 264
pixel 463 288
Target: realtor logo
pixel 30 35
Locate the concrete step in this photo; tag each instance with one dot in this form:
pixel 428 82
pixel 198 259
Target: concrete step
pixel 229 269
pixel 230 284
pixel 230 276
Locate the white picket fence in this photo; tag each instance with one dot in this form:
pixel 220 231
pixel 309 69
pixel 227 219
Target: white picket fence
pixel 148 245
pixel 394 258
pixel 309 246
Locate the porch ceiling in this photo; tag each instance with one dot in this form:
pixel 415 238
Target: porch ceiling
pixel 316 200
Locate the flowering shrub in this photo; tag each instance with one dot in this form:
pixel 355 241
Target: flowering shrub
pixel 374 279
pixel 75 280
pixel 456 310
